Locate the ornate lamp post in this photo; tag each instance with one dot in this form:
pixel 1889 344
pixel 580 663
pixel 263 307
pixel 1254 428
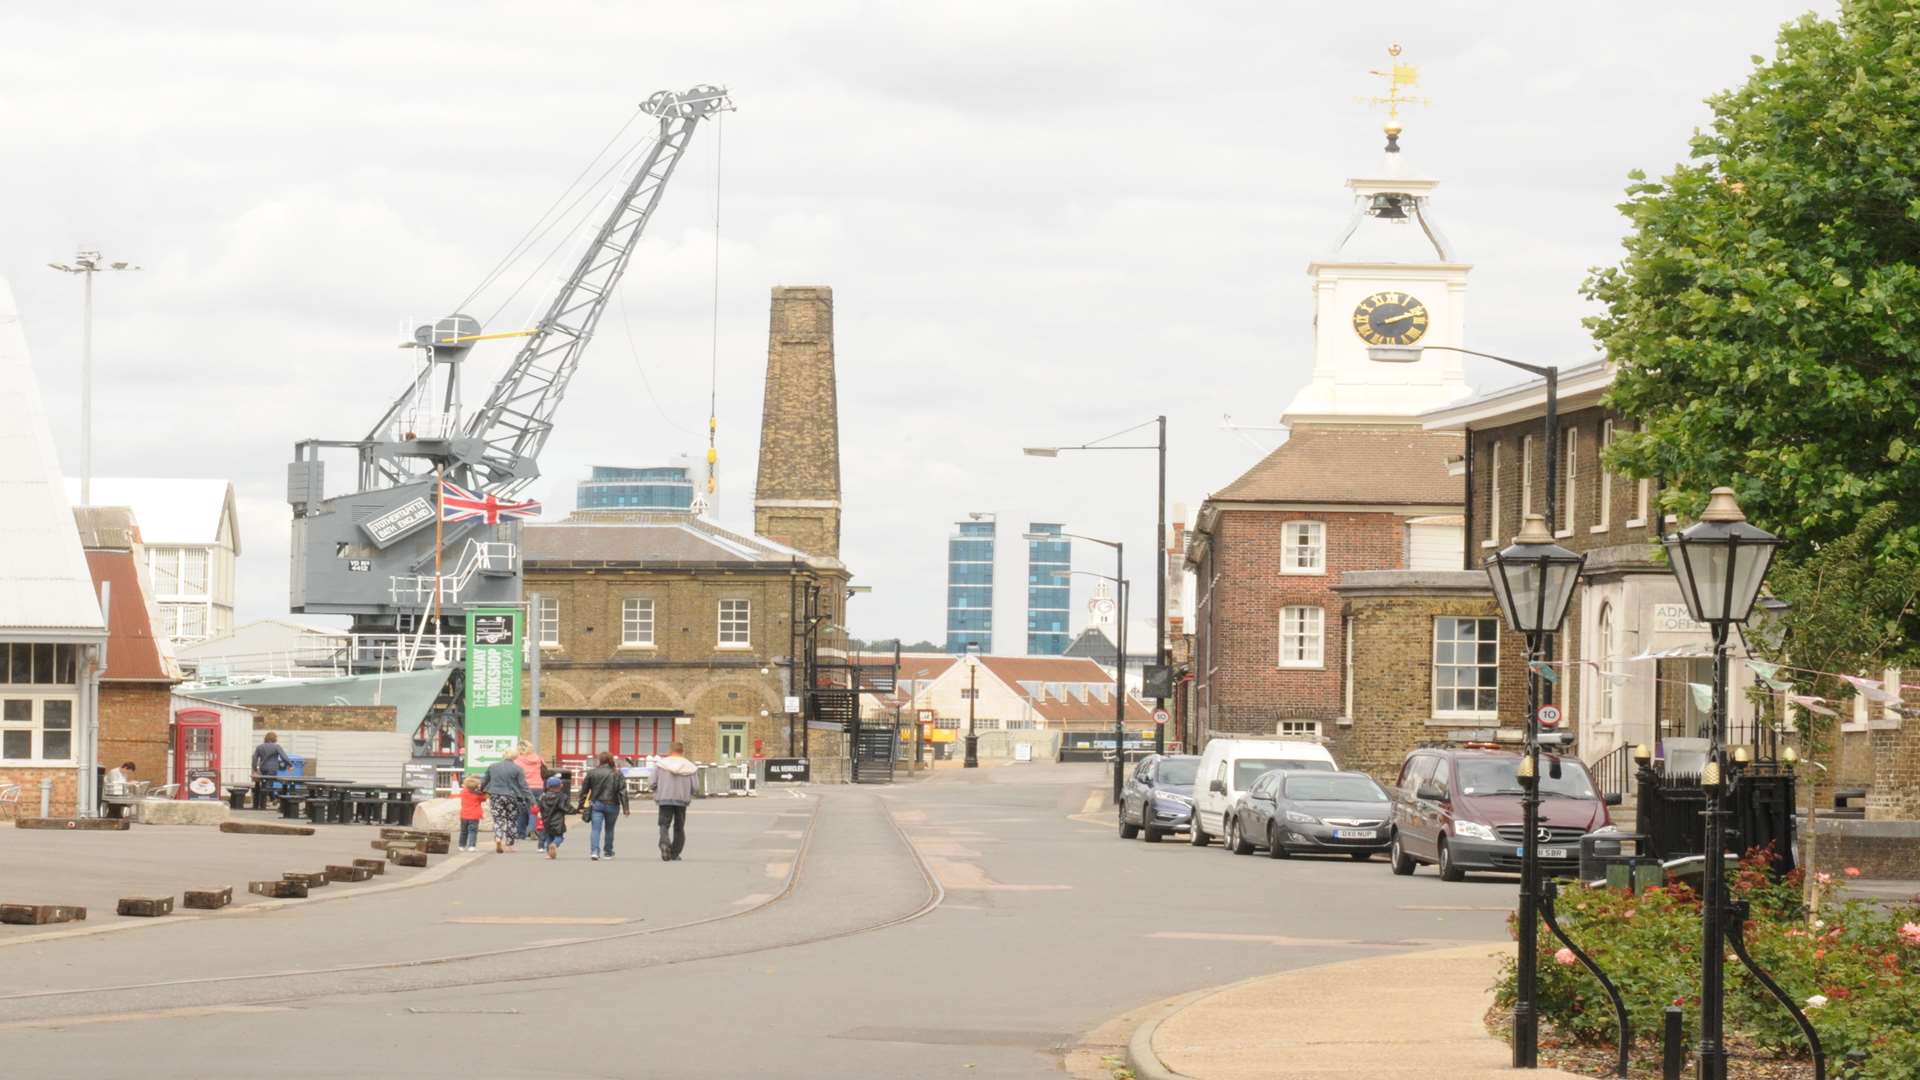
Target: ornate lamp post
pixel 1720 563
pixel 1533 581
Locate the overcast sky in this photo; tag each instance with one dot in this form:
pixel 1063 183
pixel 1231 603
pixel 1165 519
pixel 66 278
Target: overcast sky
pixel 1043 222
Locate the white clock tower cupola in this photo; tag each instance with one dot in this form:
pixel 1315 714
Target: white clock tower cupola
pixel 1392 279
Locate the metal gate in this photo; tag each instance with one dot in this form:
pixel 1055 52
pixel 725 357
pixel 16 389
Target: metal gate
pixel 873 747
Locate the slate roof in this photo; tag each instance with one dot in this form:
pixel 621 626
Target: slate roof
pixel 663 539
pixel 1048 683
pixel 170 510
pixel 45 587
pixel 1329 463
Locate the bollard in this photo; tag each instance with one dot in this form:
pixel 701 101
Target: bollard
pixel 1673 1050
pixel 46 796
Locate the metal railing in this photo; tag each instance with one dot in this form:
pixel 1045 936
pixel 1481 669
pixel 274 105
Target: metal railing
pixel 480 556
pixel 1613 771
pixel 401 651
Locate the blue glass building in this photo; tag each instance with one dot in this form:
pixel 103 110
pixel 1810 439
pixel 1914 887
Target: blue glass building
pixel 970 587
pixel 667 487
pixel 1049 590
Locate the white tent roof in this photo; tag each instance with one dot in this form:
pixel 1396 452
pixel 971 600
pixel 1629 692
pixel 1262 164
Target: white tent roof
pixel 46 590
pixel 169 510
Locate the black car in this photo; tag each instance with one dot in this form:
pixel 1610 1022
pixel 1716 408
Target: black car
pixel 1326 813
pixel 1158 798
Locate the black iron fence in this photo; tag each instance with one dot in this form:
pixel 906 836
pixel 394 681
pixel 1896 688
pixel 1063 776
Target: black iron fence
pixel 1760 805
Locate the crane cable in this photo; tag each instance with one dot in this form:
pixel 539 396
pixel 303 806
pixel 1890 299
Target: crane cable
pixel 713 359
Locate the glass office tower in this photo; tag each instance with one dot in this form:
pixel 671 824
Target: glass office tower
pixel 970 587
pixel 1048 590
pixel 612 488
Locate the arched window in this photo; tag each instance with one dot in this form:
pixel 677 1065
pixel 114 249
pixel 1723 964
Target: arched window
pixel 1608 653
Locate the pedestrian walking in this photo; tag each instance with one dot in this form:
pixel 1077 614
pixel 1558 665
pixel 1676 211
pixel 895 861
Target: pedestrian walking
pixel 554 809
pixel 603 798
pixel 471 805
pixel 508 801
pixel 534 766
pixel 672 791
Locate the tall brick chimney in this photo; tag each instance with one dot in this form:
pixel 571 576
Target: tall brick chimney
pixel 796 497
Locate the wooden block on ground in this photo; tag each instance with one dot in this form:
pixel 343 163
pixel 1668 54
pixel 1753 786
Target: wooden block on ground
pixel 263 828
pixel 403 845
pixel 82 824
pixel 408 858
pixel 208 899
pixel 311 881
pixel 40 914
pixel 278 889
pixel 402 834
pixel 348 873
pixel 146 906
pixel 372 866
pixel 439 843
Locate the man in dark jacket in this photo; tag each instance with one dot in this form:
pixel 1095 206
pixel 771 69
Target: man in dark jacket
pixel 505 786
pixel 269 757
pixel 604 794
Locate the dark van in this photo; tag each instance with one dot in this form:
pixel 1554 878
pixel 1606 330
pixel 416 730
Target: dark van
pixel 1458 808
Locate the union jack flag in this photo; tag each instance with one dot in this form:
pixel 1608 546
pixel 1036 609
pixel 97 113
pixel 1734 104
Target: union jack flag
pixel 459 504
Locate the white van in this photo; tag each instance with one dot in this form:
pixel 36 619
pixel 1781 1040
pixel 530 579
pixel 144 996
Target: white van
pixel 1230 766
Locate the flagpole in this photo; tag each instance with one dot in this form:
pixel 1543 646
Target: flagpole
pixel 439 518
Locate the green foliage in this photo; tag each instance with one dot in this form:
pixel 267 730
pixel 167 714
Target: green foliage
pixel 1766 314
pixel 1864 969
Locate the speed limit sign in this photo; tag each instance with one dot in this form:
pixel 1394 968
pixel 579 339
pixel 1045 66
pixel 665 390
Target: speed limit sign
pixel 1160 717
pixel 1550 715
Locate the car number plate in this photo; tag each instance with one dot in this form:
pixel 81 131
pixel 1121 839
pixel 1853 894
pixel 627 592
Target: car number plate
pixel 1356 834
pixel 1545 852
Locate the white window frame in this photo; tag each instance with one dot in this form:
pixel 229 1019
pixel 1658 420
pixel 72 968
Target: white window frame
pixel 1290 547
pixel 1346 690
pixel 1526 476
pixel 1642 504
pixel 1433 659
pixel 35 725
pixel 1308 640
pixel 1606 480
pixel 735 627
pixel 1606 694
pixel 636 622
pixel 1569 507
pixel 1306 730
pixel 1493 496
pixel 549 622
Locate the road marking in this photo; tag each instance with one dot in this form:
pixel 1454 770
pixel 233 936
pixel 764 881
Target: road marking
pixel 778 869
pixel 754 898
pixel 152 1014
pixel 1095 801
pixel 791 834
pixel 539 920
pixel 972 877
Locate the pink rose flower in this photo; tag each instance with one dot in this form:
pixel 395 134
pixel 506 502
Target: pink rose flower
pixel 1823 878
pixel 1852 871
pixel 1565 957
pixel 1910 933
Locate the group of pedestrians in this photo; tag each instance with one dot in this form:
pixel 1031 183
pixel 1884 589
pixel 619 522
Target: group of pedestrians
pixel 524 797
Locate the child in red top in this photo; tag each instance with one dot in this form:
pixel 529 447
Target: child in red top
pixel 471 803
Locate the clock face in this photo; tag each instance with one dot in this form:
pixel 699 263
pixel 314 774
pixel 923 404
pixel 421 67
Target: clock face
pixel 1390 318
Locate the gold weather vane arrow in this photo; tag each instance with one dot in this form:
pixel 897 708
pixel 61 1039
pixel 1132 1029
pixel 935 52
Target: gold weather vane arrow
pixel 1400 79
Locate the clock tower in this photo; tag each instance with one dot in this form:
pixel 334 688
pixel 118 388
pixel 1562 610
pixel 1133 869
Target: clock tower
pixel 1391 279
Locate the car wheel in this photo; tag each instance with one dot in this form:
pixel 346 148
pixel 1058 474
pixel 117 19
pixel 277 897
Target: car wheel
pixel 1276 849
pixel 1196 835
pixel 1402 862
pixel 1359 856
pixel 1127 831
pixel 1152 835
pixel 1236 839
pixel 1448 871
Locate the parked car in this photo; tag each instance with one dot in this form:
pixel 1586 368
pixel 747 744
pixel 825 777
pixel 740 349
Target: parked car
pixel 1459 809
pixel 1328 813
pixel 1158 797
pixel 1230 766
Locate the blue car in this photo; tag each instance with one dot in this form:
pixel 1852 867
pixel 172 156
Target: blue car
pixel 1158 797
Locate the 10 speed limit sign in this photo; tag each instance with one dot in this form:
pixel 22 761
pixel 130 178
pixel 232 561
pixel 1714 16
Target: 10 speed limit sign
pixel 1160 717
pixel 1550 715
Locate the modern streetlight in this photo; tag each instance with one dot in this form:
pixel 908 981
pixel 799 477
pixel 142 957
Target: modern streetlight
pixel 1159 550
pixel 1123 587
pixel 1720 562
pixel 972 758
pixel 87 264
pixel 1533 580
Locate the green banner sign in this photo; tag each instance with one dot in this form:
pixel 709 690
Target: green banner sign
pixel 493 685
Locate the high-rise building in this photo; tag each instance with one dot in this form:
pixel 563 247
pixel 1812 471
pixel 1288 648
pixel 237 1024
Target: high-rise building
pixel 1049 589
pixel 610 487
pixel 970 553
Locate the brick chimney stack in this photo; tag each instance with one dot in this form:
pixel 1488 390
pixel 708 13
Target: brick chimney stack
pixel 796 497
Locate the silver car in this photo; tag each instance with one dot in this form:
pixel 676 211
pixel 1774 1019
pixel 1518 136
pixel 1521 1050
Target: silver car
pixel 1327 813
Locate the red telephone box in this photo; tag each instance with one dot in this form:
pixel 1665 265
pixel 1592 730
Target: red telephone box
pixel 196 753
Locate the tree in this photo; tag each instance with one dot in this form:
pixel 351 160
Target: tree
pixel 1766 315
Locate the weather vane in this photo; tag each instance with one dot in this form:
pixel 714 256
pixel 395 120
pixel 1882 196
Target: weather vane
pixel 1401 80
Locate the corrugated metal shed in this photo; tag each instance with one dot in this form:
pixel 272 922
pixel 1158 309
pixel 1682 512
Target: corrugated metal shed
pixel 46 591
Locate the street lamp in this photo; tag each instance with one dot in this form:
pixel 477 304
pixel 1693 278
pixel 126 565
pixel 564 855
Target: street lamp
pixel 87 264
pixel 1533 581
pixel 1720 563
pixel 972 758
pixel 1123 587
pixel 1159 550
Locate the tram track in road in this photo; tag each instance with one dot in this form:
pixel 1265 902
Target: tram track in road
pixel 582 956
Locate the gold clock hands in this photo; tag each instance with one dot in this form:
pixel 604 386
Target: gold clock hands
pixel 1397 318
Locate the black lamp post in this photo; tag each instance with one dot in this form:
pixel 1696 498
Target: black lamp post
pixel 1720 563
pixel 1533 580
pixel 1122 587
pixel 972 758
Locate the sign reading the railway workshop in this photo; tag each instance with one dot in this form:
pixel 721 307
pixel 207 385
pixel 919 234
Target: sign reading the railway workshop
pixel 493 685
pixel 398 522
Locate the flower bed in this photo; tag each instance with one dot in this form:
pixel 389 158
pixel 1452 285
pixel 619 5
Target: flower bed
pixel 1856 971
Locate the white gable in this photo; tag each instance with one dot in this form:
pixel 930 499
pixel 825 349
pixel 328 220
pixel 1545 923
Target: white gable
pixel 169 510
pixel 44 580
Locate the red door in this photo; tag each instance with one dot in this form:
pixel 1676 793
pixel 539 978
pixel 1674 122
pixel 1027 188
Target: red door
pixel 196 753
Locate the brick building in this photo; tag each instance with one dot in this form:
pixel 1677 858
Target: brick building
pixel 1031 699
pixel 661 625
pixel 136 689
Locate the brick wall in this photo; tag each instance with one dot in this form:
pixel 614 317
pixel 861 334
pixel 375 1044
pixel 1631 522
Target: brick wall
pixel 323 717
pixel 1896 767
pixel 1247 690
pixel 799 426
pixel 29 777
pixel 136 725
pixel 1393 679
